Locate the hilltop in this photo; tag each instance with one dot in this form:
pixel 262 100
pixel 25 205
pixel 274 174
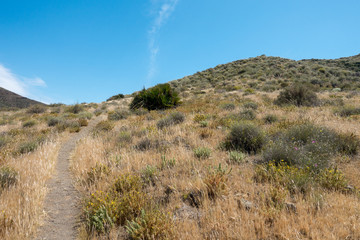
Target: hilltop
pixel 272 73
pixel 9 99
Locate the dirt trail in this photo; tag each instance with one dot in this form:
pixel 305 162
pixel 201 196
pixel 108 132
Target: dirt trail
pixel 61 203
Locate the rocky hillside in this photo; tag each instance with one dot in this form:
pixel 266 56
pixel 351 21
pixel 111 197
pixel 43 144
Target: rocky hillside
pixel 272 73
pixel 9 99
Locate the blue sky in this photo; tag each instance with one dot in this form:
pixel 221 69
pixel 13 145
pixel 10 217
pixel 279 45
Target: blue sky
pixel 73 51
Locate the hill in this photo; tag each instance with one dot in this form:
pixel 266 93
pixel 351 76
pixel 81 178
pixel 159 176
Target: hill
pixel 9 99
pixel 272 73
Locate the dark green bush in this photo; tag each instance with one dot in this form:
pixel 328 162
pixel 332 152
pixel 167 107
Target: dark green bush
pixel 245 137
pixel 298 95
pixel 159 97
pixel 116 97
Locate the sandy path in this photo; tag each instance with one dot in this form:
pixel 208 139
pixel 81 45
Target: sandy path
pixel 61 203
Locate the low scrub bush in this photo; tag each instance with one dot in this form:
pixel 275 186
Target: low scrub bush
pixel 83 122
pixel 298 95
pixel 150 224
pixel 236 157
pixel 149 174
pixel 348 111
pixel 54 121
pixel 8 177
pixel 251 105
pixel 36 109
pixel 301 180
pixel 310 145
pixel 245 137
pixel 199 118
pixel 172 119
pixel 116 97
pixel 103 126
pixel 247 114
pixel 29 124
pixel 122 202
pixel 118 115
pixel 28 147
pixel 228 106
pixel 202 152
pixel 161 96
pixel 77 108
pixel 270 118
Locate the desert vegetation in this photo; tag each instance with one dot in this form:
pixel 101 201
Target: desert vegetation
pixel 263 148
pixel 210 169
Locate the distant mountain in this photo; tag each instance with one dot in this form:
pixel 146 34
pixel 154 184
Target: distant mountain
pixel 9 99
pixel 272 73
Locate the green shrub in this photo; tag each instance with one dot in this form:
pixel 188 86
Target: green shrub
pixel 103 126
pixel 247 114
pixel 245 137
pixel 301 180
pixel 159 97
pixel 122 202
pixel 54 121
pixel 144 144
pixel 298 95
pixel 36 109
pixel 228 106
pixel 118 115
pixel 77 108
pixel 83 122
pixel 202 152
pixel 3 140
pixel 199 117
pixel 116 97
pixel 308 145
pixel 27 147
pixel 29 124
pixel 270 118
pixel 150 224
pixel 236 157
pixel 149 174
pixel 172 119
pixel 250 105
pixel 85 115
pixel 8 177
pixel 124 138
pixel 73 126
pixel 348 111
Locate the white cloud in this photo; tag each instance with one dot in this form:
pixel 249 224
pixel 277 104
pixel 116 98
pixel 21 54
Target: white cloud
pixel 35 82
pixel 21 85
pixel 10 82
pixel 164 12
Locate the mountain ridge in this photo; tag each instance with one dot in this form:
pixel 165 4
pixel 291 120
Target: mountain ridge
pixel 10 99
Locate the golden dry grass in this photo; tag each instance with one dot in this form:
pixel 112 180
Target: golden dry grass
pixel 323 215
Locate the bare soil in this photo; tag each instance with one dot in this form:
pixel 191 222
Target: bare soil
pixel 62 201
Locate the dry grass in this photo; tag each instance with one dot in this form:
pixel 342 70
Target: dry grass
pixel 322 215
pixel 21 208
